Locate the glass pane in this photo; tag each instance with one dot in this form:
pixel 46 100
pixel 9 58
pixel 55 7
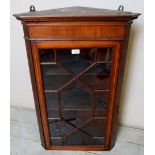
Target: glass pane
pixel 76 96
pixel 95 127
pixel 75 63
pixel 98 77
pixel 101 99
pixel 54 77
pixel 78 138
pixel 91 134
pixel 57 141
pixel 104 54
pixel 77 118
pixel 100 112
pixel 77 115
pixel 99 69
pixel 76 85
pixel 47 55
pixel 59 128
pixel 51 100
pixel 53 113
pixel 52 105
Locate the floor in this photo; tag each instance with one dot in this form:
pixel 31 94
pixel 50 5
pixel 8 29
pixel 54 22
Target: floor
pixel 25 138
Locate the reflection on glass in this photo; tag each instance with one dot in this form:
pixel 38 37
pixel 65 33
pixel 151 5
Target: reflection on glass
pixel 46 55
pixel 98 77
pixel 75 63
pixel 59 128
pixel 101 99
pixel 76 90
pixel 54 77
pixel 75 97
pixel 104 54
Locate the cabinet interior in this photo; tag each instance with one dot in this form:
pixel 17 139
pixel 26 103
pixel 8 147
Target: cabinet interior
pixel 76 85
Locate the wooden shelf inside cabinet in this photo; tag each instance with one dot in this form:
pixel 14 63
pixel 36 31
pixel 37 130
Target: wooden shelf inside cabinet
pixel 76 58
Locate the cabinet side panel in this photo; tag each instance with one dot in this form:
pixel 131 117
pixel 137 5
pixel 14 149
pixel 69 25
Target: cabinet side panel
pixel 33 81
pixel 123 54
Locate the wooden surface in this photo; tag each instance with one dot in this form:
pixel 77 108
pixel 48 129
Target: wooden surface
pixel 77 27
pixel 77 44
pixel 76 13
pixel 76 32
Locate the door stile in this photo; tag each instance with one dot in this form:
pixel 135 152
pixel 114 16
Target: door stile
pixel 39 80
pixel 111 104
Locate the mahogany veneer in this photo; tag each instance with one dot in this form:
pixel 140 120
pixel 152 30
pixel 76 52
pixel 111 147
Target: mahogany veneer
pixel 76 59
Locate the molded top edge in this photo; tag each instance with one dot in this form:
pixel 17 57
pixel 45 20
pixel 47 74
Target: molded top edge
pixel 77 13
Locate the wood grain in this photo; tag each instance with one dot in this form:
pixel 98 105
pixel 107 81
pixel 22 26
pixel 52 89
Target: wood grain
pixel 77 27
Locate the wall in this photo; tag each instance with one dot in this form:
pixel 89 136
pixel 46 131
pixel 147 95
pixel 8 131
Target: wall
pixel 131 109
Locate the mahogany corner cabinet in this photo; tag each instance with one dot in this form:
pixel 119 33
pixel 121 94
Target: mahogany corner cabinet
pixel 76 59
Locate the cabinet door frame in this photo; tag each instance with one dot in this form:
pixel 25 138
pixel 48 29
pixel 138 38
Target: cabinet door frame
pixel 116 45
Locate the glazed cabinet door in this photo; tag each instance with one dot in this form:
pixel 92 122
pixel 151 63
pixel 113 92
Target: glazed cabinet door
pixel 76 84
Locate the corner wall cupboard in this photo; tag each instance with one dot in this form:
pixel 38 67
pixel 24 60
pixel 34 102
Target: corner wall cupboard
pixel 76 59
